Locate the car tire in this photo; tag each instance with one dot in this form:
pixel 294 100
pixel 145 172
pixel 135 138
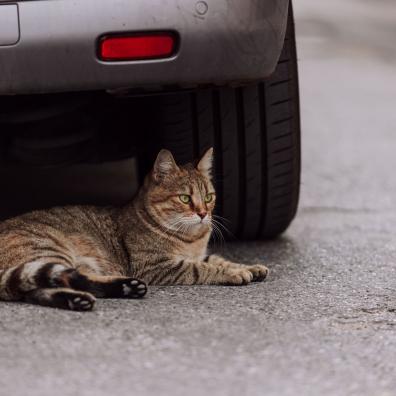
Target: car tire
pixel 255 131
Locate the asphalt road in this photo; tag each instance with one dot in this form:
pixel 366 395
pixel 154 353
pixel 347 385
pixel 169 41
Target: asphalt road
pixel 325 321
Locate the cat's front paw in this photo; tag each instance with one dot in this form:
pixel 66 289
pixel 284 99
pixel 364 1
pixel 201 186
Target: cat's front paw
pixel 259 272
pixel 237 277
pixel 133 288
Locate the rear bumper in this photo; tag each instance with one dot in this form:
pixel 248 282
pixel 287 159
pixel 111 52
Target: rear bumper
pixel 233 42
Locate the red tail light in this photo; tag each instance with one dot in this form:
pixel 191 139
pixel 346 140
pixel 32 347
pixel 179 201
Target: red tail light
pixel 137 46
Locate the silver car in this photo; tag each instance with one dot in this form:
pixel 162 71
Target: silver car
pixel 140 75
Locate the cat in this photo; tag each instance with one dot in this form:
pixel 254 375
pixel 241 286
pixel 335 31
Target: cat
pixel 64 257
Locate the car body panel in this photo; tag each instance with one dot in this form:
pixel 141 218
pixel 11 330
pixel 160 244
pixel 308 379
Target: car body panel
pixel 221 42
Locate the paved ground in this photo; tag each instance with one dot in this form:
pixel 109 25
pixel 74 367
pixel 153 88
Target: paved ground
pixel 324 323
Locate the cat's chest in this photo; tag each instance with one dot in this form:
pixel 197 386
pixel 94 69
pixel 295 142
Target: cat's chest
pixel 191 251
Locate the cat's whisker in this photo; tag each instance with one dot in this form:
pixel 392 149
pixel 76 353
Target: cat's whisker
pixel 221 218
pixel 217 233
pixel 176 227
pixel 181 225
pixel 214 236
pixel 221 225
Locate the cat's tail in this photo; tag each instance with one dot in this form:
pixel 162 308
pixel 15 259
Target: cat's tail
pixel 17 281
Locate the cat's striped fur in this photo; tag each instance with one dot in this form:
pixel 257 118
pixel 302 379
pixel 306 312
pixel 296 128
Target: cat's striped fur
pixel 65 257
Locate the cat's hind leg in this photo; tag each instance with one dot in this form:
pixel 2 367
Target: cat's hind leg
pixel 106 286
pixel 34 275
pixel 59 275
pixel 36 279
pixel 63 298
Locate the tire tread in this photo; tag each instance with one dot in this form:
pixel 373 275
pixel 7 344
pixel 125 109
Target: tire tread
pixel 255 131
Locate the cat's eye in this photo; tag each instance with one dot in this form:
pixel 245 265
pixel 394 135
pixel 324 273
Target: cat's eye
pixel 208 198
pixel 185 198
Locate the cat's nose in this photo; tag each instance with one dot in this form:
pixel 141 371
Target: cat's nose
pixel 202 214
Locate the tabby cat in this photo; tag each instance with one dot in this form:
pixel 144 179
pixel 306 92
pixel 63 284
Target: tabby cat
pixel 64 257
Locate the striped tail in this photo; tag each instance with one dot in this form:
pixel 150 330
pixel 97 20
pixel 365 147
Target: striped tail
pixel 17 281
pixel 43 283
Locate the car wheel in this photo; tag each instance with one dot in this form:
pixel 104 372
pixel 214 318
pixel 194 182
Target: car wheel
pixel 255 131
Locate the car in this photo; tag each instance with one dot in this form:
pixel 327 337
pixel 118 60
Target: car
pixel 85 81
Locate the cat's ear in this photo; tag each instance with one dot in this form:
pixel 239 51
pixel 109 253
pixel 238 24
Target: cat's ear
pixel 205 164
pixel 164 165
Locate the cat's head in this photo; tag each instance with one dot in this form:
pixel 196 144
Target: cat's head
pixel 181 198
